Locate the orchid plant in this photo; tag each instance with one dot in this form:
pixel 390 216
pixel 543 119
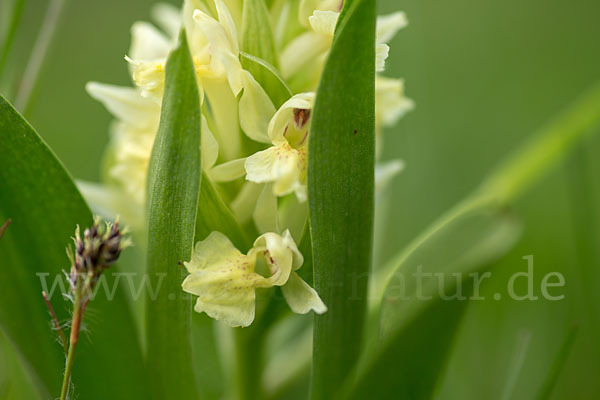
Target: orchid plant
pixel 245 160
pixel 253 149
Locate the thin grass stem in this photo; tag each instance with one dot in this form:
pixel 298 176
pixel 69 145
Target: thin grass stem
pixel 17 13
pixel 61 333
pixel 4 227
pixel 38 55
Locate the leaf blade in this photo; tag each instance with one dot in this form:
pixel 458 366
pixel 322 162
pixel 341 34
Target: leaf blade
pixel 173 188
pixel 341 195
pixel 45 206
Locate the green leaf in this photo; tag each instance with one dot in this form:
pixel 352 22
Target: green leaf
pixel 268 77
pixel 341 195
pixel 471 236
pixel 545 149
pixel 174 176
pixel 41 199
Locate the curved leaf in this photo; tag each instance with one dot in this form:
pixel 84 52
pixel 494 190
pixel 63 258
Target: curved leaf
pixel 465 240
pixel 41 199
pixel 420 310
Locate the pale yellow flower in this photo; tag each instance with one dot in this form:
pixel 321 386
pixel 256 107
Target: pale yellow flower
pixel 391 104
pixel 284 164
pixel 132 138
pixel 225 280
pixel 215 51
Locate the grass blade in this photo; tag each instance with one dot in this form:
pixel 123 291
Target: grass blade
pixel 9 36
pixel 408 354
pixel 381 371
pixel 558 364
pixel 341 195
pixel 173 189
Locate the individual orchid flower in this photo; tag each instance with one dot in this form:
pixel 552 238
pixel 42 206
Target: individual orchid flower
pixel 315 43
pixel 387 27
pixel 285 163
pixel 225 280
pixel 300 54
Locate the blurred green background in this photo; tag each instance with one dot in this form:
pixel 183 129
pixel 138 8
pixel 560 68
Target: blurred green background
pixel 484 75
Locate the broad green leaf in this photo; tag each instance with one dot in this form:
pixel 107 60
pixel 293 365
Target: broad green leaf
pixel 269 78
pixel 258 41
pixel 173 188
pixel 15 383
pixel 41 199
pixel 341 195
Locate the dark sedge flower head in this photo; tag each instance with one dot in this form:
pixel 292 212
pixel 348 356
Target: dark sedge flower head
pixel 99 248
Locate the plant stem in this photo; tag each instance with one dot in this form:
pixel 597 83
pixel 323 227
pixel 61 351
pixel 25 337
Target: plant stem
pixel 79 308
pixel 545 149
pixel 38 55
pixel 248 368
pixel 63 338
pixel 4 227
pixel 17 12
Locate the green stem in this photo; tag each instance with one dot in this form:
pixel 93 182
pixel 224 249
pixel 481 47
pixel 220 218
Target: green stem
pixel 512 178
pixel 61 333
pixel 76 325
pixel 38 55
pixel 545 149
pixel 248 362
pixel 17 12
pixel 4 227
